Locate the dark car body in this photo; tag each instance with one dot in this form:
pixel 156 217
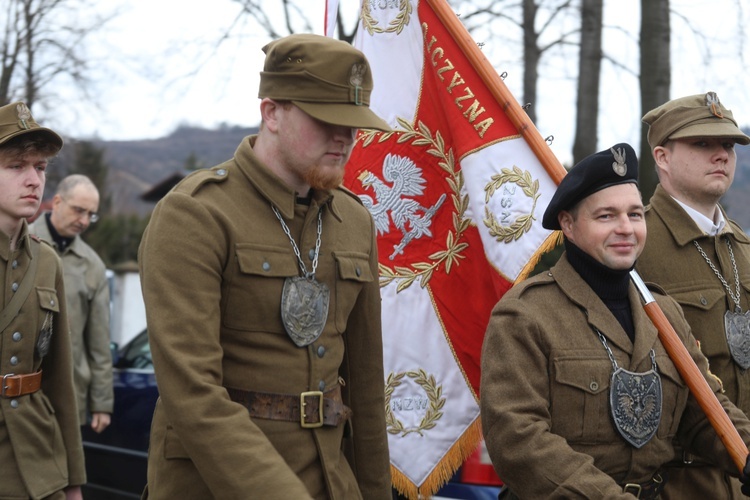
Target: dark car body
pixel 116 459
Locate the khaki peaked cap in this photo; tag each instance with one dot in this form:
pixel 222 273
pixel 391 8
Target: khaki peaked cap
pixel 16 120
pixel 326 78
pixel 700 115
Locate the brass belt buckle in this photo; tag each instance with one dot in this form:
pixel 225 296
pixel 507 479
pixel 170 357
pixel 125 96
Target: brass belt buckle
pixel 5 387
pixel 302 404
pixel 633 486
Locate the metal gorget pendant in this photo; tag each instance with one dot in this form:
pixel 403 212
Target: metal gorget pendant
pixel 304 309
pixel 737 330
pixel 736 324
pixel 304 301
pixel 635 401
pixel 45 336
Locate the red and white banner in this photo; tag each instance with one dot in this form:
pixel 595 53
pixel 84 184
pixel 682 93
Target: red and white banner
pixel 457 196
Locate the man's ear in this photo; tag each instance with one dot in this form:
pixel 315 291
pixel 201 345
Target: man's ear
pixel 565 219
pixel 269 110
pixel 661 157
pixel 56 200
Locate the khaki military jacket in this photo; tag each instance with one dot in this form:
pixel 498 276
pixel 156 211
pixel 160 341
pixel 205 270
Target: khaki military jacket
pixel 213 261
pixel 671 260
pixel 87 300
pixel 40 440
pixel 545 392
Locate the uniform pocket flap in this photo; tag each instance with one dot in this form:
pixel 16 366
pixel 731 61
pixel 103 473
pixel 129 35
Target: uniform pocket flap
pixel 48 299
pixel 700 299
pixel 589 375
pixel 264 260
pixel 353 266
pixel 668 370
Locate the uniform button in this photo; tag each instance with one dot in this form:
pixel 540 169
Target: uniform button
pixel 322 385
pixel 704 301
pixel 52 303
pixel 17 336
pixel 321 351
pixel 266 266
pixel 221 172
pixel 14 286
pixel 311 254
pixel 594 385
pixel 358 272
pixel 14 403
pixel 13 360
pixel 14 265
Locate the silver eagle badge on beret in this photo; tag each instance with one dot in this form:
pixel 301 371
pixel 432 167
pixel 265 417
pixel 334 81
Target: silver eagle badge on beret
pixel 714 105
pixel 619 165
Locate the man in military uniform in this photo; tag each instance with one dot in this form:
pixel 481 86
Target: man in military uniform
pixel 260 279
pixel 579 398
pixel 74 208
pixel 700 257
pixel 40 441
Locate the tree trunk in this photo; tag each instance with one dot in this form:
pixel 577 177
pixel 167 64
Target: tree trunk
pixel 531 56
pixel 589 64
pixel 655 80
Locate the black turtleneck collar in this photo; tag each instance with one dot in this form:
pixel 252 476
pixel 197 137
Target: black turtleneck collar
pixel 61 241
pixel 611 285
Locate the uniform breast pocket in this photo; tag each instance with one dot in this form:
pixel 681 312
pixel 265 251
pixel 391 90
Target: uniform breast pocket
pixel 699 300
pixel 579 398
pixel 353 271
pixel 253 293
pixel 674 396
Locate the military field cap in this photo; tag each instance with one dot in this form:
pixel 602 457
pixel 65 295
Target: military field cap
pixel 700 115
pixel 613 166
pixel 16 119
pixel 326 78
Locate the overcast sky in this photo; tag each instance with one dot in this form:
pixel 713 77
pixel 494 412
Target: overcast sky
pixel 158 68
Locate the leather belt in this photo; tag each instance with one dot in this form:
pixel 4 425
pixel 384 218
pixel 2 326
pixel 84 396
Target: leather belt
pixel 649 490
pixel 19 385
pixel 318 408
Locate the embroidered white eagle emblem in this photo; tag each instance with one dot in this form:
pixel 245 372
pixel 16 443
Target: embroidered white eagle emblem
pixel 391 202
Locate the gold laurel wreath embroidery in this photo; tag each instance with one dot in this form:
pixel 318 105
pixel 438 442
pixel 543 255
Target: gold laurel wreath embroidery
pixel 434 394
pixel 446 161
pixel 523 223
pixel 397 25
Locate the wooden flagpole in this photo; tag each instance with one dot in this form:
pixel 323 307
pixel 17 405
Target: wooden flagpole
pixel 693 377
pixel 669 338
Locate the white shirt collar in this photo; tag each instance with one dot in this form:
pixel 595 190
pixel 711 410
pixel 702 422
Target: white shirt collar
pixel 705 224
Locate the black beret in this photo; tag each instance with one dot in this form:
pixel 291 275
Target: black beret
pixel 613 166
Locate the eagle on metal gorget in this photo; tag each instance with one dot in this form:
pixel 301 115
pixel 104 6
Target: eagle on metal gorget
pixel 406 179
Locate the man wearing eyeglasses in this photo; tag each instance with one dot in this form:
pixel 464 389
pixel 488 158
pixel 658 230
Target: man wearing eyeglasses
pixel 74 208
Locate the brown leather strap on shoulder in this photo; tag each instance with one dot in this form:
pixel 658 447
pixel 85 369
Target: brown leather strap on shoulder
pixel 318 408
pixel 19 385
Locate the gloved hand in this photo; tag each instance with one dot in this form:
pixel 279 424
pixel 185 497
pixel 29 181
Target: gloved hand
pixel 745 478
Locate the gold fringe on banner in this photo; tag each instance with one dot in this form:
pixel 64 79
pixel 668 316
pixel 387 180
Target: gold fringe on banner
pixel 549 244
pixel 444 470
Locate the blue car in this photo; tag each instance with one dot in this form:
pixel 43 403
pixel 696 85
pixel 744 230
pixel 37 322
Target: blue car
pixel 116 459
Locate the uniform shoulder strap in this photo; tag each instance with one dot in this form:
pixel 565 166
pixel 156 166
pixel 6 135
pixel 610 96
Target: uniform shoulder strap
pixel 10 312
